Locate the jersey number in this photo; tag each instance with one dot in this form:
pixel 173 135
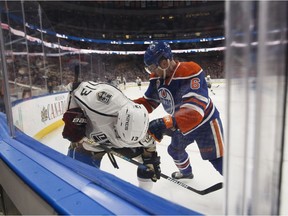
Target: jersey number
pixel 195 83
pixel 85 92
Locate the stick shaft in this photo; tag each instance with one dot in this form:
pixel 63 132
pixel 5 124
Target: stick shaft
pixel 201 192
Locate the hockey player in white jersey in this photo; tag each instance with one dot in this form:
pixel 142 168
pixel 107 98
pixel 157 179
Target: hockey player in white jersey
pixel 102 113
pixel 209 83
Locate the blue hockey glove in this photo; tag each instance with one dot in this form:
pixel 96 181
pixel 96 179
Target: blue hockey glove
pixel 159 127
pixel 151 168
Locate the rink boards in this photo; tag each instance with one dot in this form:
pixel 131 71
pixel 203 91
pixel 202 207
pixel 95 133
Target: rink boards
pixel 40 180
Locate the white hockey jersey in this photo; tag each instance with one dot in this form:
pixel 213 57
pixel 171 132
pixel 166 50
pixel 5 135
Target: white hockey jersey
pixel 101 103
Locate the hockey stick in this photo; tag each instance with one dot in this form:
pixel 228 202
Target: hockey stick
pixel 212 92
pixel 210 189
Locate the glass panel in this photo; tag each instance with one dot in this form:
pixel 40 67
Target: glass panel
pixel 49 44
pixel 256 97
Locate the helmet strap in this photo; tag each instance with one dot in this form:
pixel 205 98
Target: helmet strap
pixel 165 69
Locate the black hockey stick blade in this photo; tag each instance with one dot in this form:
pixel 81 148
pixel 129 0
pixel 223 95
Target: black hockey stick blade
pixel 211 189
pixel 208 190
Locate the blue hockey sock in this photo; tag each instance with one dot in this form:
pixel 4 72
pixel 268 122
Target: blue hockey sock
pixel 218 164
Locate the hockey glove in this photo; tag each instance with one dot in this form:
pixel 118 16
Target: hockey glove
pixel 160 127
pixel 75 125
pixel 151 168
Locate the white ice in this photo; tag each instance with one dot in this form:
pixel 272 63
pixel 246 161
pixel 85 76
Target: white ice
pixel 204 174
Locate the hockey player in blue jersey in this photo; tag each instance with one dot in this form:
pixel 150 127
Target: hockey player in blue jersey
pixel 182 90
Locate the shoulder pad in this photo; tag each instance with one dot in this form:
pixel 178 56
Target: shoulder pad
pixel 187 69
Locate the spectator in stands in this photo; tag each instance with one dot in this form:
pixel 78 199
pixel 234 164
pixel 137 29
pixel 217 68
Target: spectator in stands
pixel 50 87
pixel 26 93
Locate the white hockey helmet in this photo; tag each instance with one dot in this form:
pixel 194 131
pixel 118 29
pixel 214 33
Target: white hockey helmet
pixel 132 123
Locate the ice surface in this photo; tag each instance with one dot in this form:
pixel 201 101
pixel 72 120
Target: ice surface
pixel 204 174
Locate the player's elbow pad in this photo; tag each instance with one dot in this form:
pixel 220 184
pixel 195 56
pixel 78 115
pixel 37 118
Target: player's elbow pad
pixel 186 121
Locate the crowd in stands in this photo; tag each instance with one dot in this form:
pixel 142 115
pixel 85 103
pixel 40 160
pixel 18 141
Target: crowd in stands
pixel 97 67
pixel 135 22
pixel 54 72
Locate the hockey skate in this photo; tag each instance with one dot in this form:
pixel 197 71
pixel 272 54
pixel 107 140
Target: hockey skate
pixel 179 175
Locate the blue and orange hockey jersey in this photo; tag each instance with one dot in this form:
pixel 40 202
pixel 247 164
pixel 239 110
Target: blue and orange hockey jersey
pixel 184 95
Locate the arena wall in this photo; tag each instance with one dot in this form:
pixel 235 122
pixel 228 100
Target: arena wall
pixel 40 180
